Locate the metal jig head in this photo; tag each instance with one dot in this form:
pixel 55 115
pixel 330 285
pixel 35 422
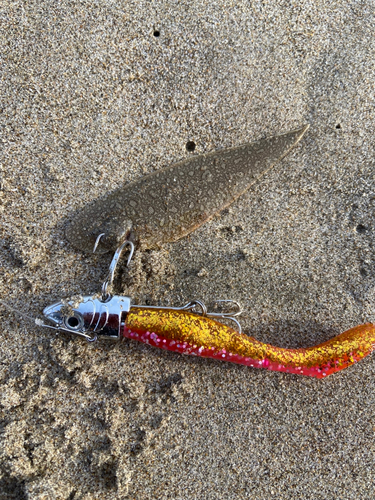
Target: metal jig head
pixel 103 315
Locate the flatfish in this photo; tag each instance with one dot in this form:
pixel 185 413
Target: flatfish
pixel 168 204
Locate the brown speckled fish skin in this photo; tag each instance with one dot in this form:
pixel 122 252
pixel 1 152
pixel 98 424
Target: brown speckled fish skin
pixel 166 205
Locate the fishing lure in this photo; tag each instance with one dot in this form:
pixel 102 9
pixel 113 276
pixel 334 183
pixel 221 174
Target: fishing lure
pixel 166 205
pixel 193 330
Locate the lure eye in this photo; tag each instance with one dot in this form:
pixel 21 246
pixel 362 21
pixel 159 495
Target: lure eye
pixel 74 322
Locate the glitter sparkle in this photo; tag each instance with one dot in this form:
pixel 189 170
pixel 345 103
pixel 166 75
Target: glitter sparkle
pixel 188 333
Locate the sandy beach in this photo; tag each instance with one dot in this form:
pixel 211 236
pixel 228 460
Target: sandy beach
pixel 94 95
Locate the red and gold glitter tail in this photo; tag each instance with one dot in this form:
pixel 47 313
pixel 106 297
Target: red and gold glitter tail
pixel 189 333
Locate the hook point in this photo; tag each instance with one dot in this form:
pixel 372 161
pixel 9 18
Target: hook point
pixel 97 242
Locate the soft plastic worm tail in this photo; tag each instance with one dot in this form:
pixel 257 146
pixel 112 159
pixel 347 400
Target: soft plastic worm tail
pixel 189 333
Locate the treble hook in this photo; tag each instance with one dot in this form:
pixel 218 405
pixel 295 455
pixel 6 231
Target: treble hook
pixel 194 304
pixel 231 315
pixel 111 274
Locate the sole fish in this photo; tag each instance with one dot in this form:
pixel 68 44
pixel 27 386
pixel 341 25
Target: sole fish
pixel 166 205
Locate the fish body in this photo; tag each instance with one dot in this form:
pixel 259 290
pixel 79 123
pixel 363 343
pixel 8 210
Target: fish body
pixel 198 335
pixel 168 204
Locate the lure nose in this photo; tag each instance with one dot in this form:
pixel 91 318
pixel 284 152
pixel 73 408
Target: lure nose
pixel 53 313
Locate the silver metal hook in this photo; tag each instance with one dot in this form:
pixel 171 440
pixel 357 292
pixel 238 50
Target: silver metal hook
pixel 231 315
pixel 190 306
pixel 193 304
pixel 111 274
pixel 228 314
pixel 97 242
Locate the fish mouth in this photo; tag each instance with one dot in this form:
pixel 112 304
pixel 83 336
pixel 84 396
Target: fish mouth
pixel 53 313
